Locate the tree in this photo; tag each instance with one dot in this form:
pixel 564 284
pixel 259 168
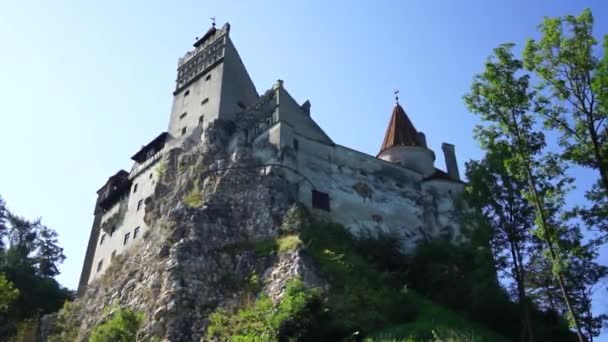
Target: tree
pixel 576 83
pixel 29 260
pixel 504 101
pixel 495 195
pixel 8 293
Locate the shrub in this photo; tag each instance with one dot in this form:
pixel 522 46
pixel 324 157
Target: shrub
pixel 122 326
pixel 66 324
pixel 288 243
pixel 296 317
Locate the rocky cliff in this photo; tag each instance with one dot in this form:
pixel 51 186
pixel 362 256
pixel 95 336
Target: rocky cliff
pixel 211 218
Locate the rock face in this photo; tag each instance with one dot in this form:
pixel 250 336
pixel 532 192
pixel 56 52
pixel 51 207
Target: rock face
pixel 211 208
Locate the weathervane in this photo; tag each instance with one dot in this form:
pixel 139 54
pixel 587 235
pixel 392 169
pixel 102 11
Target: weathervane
pixel 212 21
pixel 396 92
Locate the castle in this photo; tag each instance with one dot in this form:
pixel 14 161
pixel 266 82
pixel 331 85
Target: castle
pixel 398 191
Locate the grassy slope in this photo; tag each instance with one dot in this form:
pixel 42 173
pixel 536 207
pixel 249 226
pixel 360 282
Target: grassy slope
pixel 433 317
pixel 360 293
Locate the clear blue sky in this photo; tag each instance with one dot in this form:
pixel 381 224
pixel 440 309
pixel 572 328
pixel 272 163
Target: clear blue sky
pixel 84 84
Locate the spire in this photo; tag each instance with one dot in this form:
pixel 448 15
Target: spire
pixel 400 131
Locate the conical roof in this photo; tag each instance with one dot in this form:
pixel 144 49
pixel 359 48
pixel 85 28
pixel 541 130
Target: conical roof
pixel 400 131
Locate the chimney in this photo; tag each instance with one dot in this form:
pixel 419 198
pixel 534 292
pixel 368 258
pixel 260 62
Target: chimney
pixel 306 107
pixel 450 160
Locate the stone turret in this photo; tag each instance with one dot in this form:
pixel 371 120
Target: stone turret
pixel 405 146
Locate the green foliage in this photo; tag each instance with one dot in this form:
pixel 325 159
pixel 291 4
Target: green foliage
pixel 502 97
pixel 161 169
pixel 364 298
pixel 8 293
pixel 67 323
pixel 194 197
pixel 462 278
pixel 122 326
pixel 288 243
pixel 27 331
pixel 29 260
pixel 295 317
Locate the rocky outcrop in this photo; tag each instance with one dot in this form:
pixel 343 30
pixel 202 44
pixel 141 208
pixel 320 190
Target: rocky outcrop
pixel 212 206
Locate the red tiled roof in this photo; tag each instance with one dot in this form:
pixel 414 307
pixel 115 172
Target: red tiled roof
pixel 400 131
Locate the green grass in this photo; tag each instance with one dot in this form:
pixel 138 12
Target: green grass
pixel 194 197
pixel 434 318
pixel 372 302
pixel 288 243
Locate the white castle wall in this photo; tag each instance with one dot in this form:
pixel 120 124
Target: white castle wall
pixel 145 176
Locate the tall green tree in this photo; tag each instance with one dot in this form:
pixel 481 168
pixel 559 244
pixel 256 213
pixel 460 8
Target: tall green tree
pixel 29 259
pixel 502 97
pixel 495 196
pixel 575 81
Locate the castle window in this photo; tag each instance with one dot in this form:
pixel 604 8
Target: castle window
pixel 296 144
pixel 201 119
pixel 241 105
pixel 187 93
pixel 320 200
pixel 205 101
pixel 135 233
pixel 150 175
pixel 184 131
pixel 140 204
pixel 135 188
pixel 99 265
pixel 126 238
pixel 113 254
pixel 208 77
pixel 113 230
pixel 103 237
pixel 183 115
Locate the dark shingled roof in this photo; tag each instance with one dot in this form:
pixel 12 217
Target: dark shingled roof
pixel 207 35
pixel 400 131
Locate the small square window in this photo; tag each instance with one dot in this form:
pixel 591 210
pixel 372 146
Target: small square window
pixel 99 265
pixel 205 101
pixel 187 93
pixel 113 254
pixel 140 204
pixel 135 233
pixel 184 131
pixel 208 77
pixel 135 188
pixel 183 115
pixel 126 238
pixel 320 200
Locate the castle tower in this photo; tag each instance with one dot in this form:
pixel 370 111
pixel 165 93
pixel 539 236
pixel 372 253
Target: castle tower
pixel 212 83
pixel 405 146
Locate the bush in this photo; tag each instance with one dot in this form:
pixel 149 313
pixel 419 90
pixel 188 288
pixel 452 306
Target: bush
pixel 296 317
pixel 122 326
pixel 67 323
pixel 363 297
